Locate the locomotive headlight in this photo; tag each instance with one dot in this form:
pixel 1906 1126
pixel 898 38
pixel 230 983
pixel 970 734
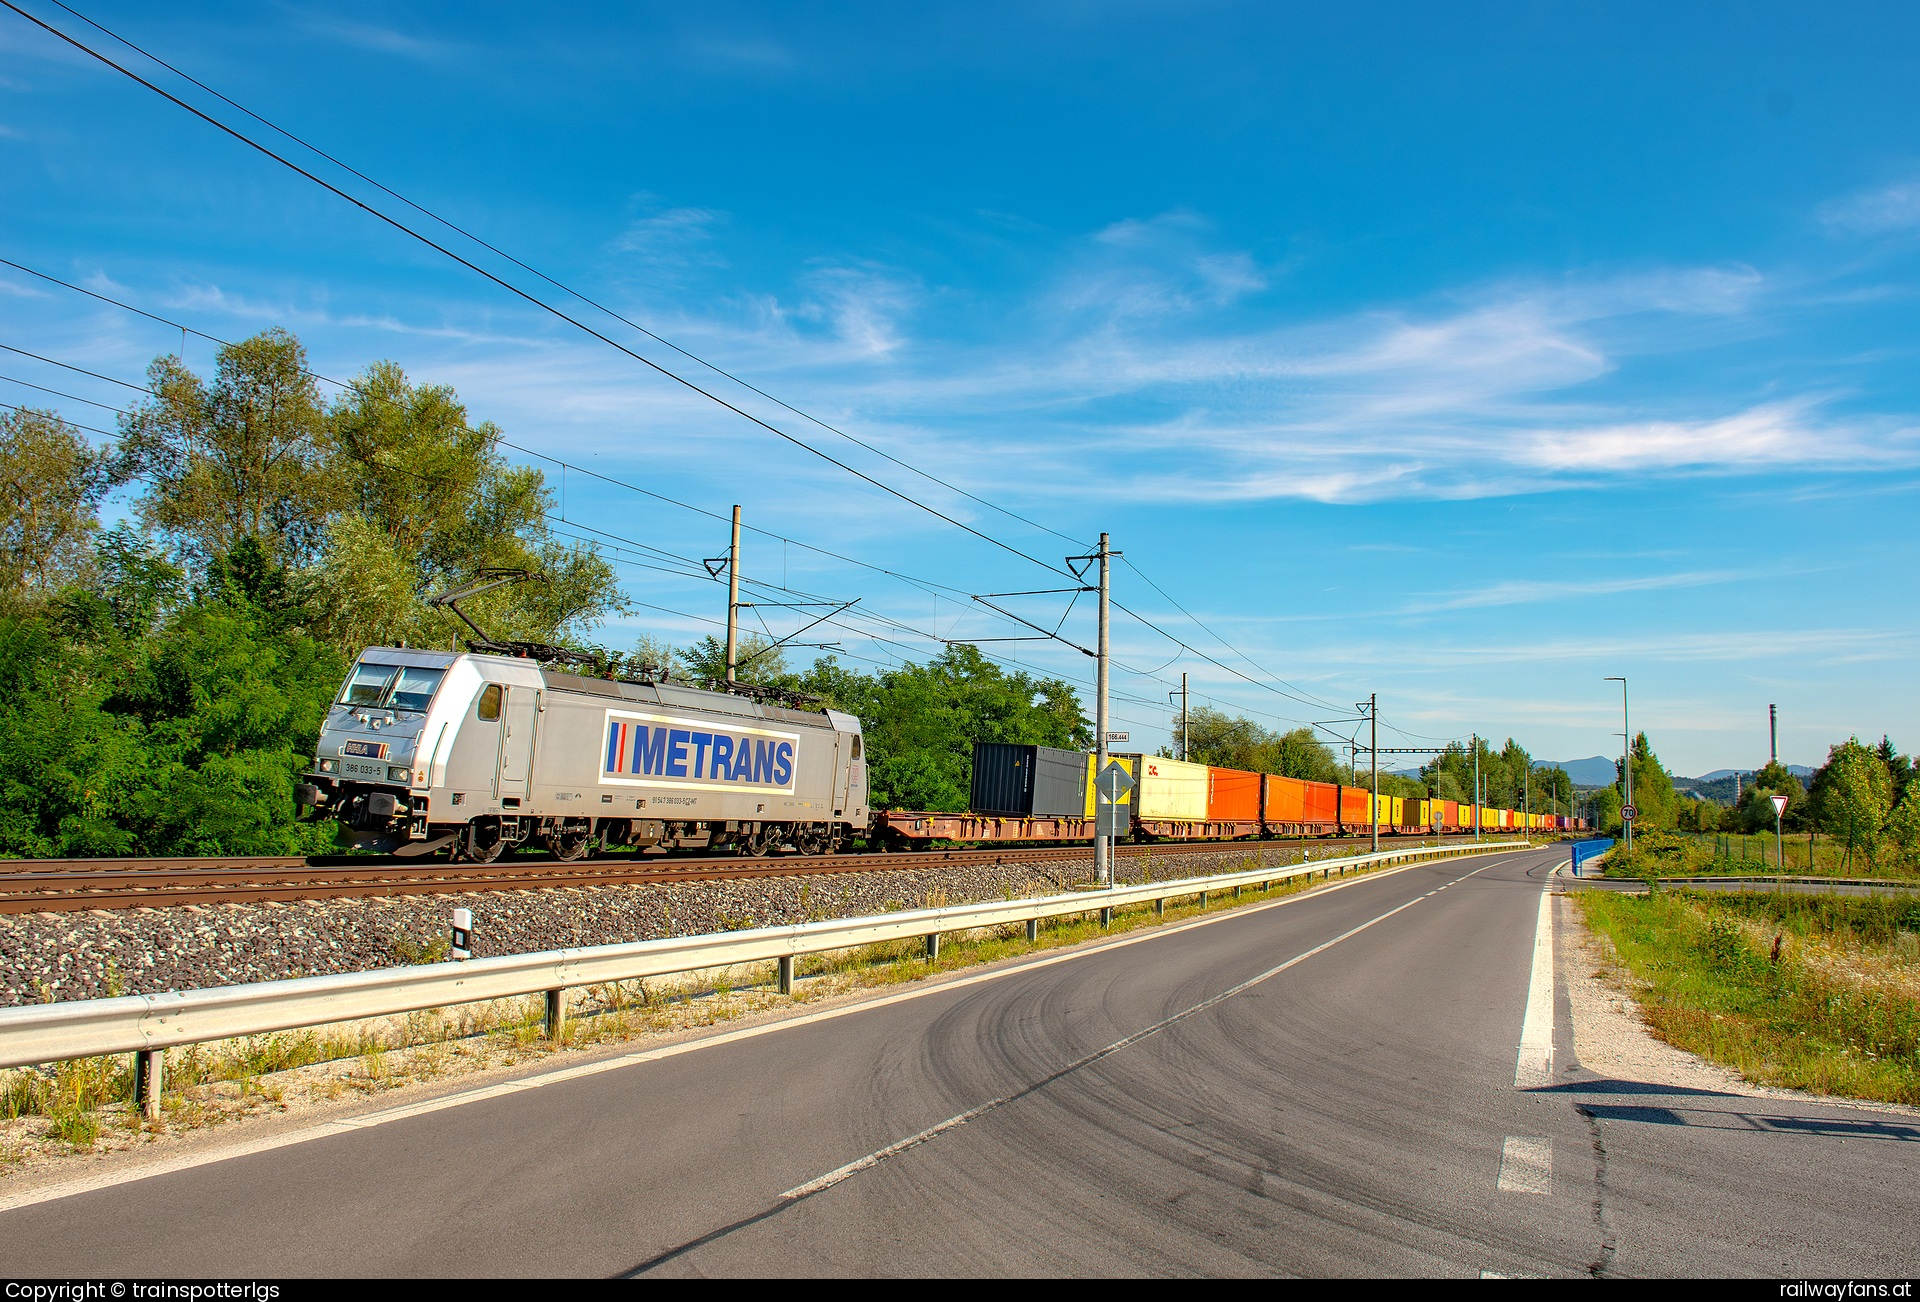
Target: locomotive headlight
pixel 326 766
pixel 395 774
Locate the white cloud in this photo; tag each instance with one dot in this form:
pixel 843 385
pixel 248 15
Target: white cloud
pixel 1893 207
pixel 862 304
pixel 384 40
pixel 674 236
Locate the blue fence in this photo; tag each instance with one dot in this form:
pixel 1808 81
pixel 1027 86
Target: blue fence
pixel 1585 850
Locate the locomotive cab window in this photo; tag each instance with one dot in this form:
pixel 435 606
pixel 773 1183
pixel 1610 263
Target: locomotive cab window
pixel 368 684
pixel 856 745
pixel 392 687
pixel 489 708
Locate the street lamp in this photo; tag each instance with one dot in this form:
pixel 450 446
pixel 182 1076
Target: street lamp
pixel 1626 767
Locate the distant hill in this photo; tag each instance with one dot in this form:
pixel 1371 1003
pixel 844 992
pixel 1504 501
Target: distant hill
pixel 1798 770
pixel 1595 771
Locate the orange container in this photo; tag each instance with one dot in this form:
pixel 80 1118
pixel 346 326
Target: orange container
pixel 1323 802
pixel 1356 807
pixel 1232 796
pixel 1286 800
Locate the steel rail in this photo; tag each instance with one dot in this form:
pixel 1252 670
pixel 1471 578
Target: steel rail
pixel 69 885
pixel 149 1024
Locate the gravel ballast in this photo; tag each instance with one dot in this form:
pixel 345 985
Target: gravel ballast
pixel 97 953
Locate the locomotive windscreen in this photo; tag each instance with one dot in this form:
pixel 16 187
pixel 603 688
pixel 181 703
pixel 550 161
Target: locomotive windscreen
pixel 392 687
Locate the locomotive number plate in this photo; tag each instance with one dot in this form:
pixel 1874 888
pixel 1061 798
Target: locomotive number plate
pixel 362 770
pixel 369 749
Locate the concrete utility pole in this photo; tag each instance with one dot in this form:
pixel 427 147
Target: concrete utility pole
pixel 1373 750
pixel 1183 717
pixel 1626 765
pixel 1102 847
pixel 1476 786
pixel 733 597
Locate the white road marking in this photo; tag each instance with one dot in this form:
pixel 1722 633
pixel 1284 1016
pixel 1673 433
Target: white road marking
pixel 1526 1165
pixel 1534 1069
pixel 880 1155
pixel 328 1129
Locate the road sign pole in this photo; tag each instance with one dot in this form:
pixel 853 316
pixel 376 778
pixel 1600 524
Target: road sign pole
pixel 1102 847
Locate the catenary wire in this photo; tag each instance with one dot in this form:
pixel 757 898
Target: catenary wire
pixel 530 298
pixel 575 322
pixel 562 287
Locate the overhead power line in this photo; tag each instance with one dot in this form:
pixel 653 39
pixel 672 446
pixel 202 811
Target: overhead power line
pixel 522 294
pixel 564 288
pixel 569 319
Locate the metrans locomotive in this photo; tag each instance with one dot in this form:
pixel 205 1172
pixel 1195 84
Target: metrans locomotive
pixel 478 753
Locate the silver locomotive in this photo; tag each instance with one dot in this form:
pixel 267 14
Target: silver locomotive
pixel 476 753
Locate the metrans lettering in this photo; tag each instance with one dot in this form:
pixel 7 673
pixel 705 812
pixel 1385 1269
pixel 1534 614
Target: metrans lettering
pixel 647 750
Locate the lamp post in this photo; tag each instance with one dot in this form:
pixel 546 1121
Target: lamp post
pixel 1626 765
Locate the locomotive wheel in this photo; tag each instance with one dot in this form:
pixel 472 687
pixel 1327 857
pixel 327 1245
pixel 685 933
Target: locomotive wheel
pixel 571 843
pixel 760 841
pixel 482 842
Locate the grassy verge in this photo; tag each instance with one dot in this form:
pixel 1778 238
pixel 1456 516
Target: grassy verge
pixel 1812 992
pixel 1708 854
pixel 85 1104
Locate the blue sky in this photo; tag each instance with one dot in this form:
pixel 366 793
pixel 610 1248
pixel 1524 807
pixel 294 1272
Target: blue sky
pixel 1465 355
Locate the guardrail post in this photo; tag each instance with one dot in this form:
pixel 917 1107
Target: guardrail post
pixel 149 1072
pixel 1106 917
pixel 1033 931
pixel 1203 899
pixel 556 1017
pixel 1160 907
pixel 933 947
pixel 786 974
pixel 1236 892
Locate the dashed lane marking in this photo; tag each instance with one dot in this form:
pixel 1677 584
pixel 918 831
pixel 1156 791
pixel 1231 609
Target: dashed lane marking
pixel 1534 1068
pixel 1526 1165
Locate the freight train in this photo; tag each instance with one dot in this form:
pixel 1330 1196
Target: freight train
pixel 478 753
pixel 1040 793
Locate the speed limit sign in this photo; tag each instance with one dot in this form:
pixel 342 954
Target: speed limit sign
pixel 1629 813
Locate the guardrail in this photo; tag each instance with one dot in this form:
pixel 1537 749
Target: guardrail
pixel 148 1025
pixel 1590 849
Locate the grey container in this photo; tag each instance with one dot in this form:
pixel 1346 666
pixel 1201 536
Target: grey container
pixel 1059 783
pixel 1014 781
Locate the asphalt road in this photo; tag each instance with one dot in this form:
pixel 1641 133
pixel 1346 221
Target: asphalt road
pixel 1353 1112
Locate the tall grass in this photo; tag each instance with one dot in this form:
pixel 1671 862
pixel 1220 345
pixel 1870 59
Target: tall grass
pixel 1715 975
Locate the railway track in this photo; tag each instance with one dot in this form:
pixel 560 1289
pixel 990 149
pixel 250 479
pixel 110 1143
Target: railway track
pixel 67 885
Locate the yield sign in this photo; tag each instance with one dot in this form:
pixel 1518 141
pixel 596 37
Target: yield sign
pixel 1779 805
pixel 1114 782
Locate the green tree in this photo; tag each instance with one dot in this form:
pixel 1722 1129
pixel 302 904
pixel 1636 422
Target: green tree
pixel 242 457
pixel 1857 798
pixel 1655 804
pixel 755 659
pixel 1754 813
pixel 921 721
pixel 1903 827
pixel 425 499
pixel 1227 741
pixel 51 483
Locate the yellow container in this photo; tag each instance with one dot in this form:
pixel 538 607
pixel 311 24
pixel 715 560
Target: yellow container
pixel 1126 762
pixel 1170 790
